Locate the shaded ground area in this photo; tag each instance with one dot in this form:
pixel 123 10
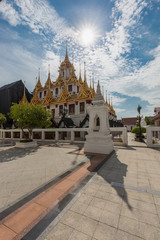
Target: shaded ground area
pixel 24 170
pixel 106 212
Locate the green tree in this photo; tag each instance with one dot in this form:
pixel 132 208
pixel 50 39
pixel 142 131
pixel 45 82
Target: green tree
pixel 2 119
pixel 29 116
pixel 148 121
pixel 136 130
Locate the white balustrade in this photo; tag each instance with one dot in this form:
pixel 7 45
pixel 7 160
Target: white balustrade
pixel 153 136
pixel 76 135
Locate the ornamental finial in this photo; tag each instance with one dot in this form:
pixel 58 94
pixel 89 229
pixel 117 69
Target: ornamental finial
pixel 93 79
pixel 66 49
pixel 38 74
pixel 49 83
pixel 84 71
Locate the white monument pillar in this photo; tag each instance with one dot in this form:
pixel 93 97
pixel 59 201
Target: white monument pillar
pixel 99 139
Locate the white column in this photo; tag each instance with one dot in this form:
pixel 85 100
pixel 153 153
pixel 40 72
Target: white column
pixel 21 134
pixel 43 135
pixel 149 136
pixel 11 134
pixel 56 135
pixel 72 135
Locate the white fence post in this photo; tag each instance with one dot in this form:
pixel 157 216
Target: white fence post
pixel 72 136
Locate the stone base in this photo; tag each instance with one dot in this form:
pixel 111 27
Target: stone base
pixel 96 143
pixel 26 144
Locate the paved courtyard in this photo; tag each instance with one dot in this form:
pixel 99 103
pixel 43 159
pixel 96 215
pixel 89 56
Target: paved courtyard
pixel 24 170
pixel 120 202
pixel 104 211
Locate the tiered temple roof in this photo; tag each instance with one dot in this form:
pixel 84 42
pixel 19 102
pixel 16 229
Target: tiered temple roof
pixel 85 92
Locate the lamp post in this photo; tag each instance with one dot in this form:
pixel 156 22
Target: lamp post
pixel 139 118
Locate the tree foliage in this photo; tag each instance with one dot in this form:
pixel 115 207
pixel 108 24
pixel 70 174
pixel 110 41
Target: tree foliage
pixel 2 119
pixel 136 130
pixel 30 116
pixel 148 121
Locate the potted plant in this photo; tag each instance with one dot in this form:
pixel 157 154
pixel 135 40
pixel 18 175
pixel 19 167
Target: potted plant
pixel 27 116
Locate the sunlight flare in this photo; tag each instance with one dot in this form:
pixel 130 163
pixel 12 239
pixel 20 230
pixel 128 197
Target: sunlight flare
pixel 87 36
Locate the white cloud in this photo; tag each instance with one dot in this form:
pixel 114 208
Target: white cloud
pixel 126 14
pixel 107 58
pixel 119 110
pixel 116 101
pixel 24 67
pixel 9 13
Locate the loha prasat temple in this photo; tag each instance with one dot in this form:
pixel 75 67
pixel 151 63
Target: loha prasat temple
pixel 68 97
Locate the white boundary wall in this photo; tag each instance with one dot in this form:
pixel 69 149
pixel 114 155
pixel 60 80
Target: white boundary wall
pixel 57 134
pixel 153 135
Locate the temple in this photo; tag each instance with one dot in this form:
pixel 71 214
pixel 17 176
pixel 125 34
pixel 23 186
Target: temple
pixel 68 97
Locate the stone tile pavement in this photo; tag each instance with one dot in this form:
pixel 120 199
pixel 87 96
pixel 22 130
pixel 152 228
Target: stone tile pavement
pixel 106 212
pixel 24 170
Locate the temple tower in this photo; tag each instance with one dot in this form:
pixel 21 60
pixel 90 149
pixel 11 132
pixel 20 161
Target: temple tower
pixel 99 139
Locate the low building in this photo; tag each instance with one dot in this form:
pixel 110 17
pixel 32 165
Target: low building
pixel 156 118
pixel 129 123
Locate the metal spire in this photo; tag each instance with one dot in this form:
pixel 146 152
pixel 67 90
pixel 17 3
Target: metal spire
pixel 93 79
pixel 84 71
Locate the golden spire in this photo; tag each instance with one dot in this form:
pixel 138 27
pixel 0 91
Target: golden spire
pixel 72 78
pixel 80 77
pixel 93 80
pixel 90 82
pixel 109 101
pixel 65 95
pixel 106 103
pixel 66 57
pixel 48 82
pixel 24 99
pixel 35 100
pixel 84 71
pixel 38 83
pixel 48 98
pixel 59 81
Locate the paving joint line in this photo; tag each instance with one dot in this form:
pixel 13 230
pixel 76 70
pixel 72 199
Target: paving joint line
pixel 38 231
pixel 28 197
pixel 154 192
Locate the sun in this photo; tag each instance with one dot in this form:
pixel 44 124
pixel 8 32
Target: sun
pixel 87 36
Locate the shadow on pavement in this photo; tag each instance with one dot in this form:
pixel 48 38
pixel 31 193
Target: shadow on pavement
pixel 113 171
pixel 15 153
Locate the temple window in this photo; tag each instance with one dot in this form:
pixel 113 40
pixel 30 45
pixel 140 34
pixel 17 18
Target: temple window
pixel 53 113
pixel 70 88
pixel 44 93
pixel 97 122
pixel 60 109
pixel 77 89
pixel 40 94
pixel 82 107
pixel 71 109
pixel 56 91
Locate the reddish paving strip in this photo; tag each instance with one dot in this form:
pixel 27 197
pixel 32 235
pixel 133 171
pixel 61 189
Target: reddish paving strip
pixel 20 222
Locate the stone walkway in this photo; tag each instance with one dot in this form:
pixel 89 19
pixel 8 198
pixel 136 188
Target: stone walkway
pixel 24 170
pixel 121 201
pixel 132 142
pixel 18 223
pixel 106 212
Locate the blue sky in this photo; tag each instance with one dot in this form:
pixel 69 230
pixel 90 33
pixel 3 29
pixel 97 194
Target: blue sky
pixel 124 53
